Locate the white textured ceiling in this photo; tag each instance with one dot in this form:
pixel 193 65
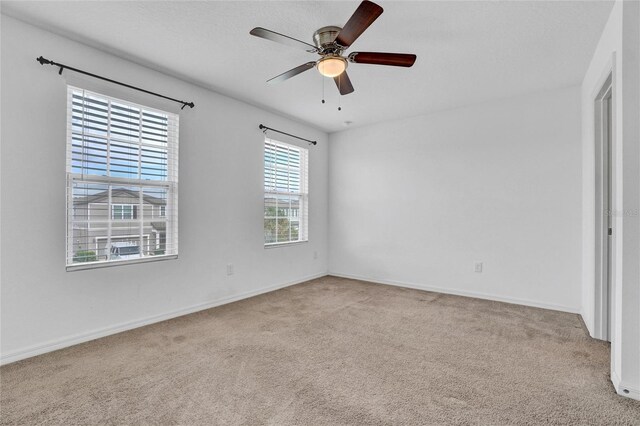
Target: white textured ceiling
pixel 468 52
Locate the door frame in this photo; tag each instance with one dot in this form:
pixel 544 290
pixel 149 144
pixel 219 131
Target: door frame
pixel 605 202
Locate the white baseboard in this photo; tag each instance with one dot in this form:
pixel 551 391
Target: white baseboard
pixel 107 331
pixel 623 389
pixel 466 293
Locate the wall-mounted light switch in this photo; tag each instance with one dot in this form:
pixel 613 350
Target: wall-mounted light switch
pixel 478 267
pixel 230 269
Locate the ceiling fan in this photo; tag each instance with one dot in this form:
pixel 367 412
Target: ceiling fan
pixel 331 42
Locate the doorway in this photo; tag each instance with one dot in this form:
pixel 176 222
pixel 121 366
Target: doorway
pixel 605 210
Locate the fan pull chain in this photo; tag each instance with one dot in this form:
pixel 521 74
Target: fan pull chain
pixel 339 93
pixel 322 89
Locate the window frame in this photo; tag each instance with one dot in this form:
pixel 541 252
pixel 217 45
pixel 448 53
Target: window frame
pixel 166 184
pixel 302 195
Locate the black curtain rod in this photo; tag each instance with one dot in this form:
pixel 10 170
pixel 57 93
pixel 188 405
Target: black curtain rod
pixel 265 128
pixel 63 66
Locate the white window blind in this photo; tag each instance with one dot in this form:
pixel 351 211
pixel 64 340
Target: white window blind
pixel 122 181
pixel 286 193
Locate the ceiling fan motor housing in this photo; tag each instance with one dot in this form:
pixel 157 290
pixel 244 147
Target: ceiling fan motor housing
pixel 325 37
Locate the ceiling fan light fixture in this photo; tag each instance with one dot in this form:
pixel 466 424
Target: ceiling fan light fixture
pixel 332 66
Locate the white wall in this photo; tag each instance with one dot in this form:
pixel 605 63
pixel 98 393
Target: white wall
pixel 617 50
pixel 417 201
pixel 221 204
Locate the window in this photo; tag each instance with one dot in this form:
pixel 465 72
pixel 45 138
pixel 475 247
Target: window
pixel 122 168
pixel 124 211
pixel 285 193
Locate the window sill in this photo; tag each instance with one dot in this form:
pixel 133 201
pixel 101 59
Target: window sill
pixel 105 264
pixel 290 243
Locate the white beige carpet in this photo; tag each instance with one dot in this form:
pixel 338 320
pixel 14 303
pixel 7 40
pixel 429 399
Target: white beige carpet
pixel 331 351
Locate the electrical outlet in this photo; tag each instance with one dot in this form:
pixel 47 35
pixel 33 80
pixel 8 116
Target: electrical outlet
pixel 230 269
pixel 478 267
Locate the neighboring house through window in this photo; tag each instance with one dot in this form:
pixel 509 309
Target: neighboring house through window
pixel 122 169
pixel 285 193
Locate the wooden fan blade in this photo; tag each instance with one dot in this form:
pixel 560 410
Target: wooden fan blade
pixel 292 72
pixel 364 16
pixel 344 83
pixel 283 39
pixel 378 58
